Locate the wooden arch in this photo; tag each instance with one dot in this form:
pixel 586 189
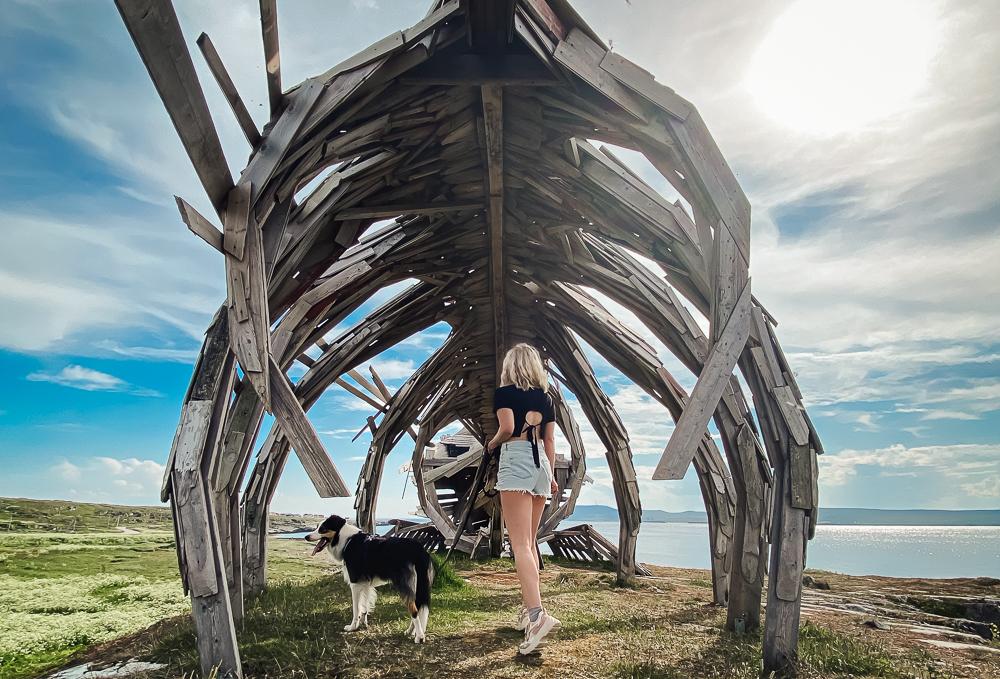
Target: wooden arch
pixel 469 135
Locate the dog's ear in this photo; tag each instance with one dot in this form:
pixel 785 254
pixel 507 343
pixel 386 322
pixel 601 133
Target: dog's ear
pixel 332 524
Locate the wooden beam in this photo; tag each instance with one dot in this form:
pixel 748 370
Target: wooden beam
pixel 492 97
pixel 272 56
pixel 157 36
pixel 386 211
pixel 229 90
pixel 297 428
pixel 712 381
pixel 523 70
pixel 198 225
pixel 249 318
pixel 489 25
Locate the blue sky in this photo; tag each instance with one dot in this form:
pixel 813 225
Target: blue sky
pixel 874 241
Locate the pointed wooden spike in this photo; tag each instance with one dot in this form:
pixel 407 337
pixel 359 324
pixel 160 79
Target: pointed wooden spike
pixel 229 91
pixel 272 56
pixel 157 36
pixel 198 225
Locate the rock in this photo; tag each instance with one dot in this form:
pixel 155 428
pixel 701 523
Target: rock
pixel 954 645
pixel 877 624
pixel 981 629
pixel 810 581
pixel 983 611
pixel 115 671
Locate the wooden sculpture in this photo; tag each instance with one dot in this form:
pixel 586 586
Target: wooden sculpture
pixel 471 133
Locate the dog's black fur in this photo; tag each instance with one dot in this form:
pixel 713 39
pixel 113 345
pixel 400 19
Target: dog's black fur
pixel 372 560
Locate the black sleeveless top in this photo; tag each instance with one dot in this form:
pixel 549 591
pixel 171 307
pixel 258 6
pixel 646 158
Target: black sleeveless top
pixel 521 401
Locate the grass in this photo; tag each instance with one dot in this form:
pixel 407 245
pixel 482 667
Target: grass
pixel 113 597
pixel 21 515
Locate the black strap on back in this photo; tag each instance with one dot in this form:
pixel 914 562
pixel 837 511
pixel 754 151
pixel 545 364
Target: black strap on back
pixel 532 431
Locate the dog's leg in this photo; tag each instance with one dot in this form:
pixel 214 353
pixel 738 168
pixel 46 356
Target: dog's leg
pixel 367 603
pixel 422 614
pixel 355 608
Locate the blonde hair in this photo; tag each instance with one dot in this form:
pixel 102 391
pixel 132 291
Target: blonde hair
pixel 522 367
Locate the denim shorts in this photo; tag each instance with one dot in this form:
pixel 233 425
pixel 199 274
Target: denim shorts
pixel 517 470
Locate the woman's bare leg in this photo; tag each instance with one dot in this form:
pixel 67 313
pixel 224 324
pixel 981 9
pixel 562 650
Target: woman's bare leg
pixel 517 508
pixel 537 508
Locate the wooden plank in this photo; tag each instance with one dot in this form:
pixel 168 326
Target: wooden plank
pixel 712 177
pixel 236 221
pixel 272 55
pixel 297 428
pixel 360 379
pixel 582 56
pixel 157 36
pixel 275 144
pixel 792 413
pixel 249 319
pixel 198 225
pixel 385 211
pixel 229 90
pixel 644 84
pixel 707 391
pixel 800 471
pixel 729 278
pixel 360 394
pixel 394 43
pixel 546 18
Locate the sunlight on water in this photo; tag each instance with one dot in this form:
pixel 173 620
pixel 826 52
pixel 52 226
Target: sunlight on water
pixel 901 551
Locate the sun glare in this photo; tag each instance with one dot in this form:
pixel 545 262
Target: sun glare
pixel 828 67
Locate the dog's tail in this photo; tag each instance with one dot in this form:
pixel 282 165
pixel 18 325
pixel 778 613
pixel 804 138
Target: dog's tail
pixel 425 578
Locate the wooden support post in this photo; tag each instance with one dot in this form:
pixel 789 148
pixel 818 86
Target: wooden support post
pixel 784 592
pixel 199 545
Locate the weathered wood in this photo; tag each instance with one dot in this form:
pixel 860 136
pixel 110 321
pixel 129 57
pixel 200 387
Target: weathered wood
pixel 246 293
pixel 468 152
pixel 198 225
pixel 706 393
pixel 272 56
pixel 383 211
pixel 304 440
pixel 229 90
pixel 157 36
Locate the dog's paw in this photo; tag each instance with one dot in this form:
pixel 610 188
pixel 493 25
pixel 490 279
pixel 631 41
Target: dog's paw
pixel 351 627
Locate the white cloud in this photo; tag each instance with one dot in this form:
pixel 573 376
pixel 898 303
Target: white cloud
pixel 87 379
pixel 111 479
pixel 67 471
pixel 393 369
pixel 151 353
pixel 83 279
pixel 954 464
pixel 988 488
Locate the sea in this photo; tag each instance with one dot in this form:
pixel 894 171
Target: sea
pixel 897 551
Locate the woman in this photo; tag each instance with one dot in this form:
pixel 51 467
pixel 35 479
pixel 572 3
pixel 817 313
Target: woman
pixel 524 478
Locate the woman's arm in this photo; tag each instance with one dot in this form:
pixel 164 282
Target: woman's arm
pixel 550 452
pixel 549 438
pixel 505 417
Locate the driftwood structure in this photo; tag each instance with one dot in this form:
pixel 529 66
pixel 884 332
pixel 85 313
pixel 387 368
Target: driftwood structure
pixel 465 154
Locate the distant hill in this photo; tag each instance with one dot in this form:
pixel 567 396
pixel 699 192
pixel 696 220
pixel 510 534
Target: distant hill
pixel 834 516
pixel 21 515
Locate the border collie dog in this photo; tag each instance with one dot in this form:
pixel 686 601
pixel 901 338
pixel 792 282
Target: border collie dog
pixel 372 560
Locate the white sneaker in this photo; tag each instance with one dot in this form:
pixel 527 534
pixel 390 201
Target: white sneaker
pixel 522 619
pixel 536 631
